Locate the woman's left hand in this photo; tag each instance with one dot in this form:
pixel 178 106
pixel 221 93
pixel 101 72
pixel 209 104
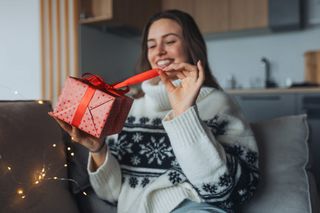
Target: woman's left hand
pixel 183 96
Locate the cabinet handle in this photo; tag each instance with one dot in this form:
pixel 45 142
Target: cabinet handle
pixel 267 98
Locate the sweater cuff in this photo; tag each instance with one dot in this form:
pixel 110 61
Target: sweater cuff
pixel 186 128
pixel 108 174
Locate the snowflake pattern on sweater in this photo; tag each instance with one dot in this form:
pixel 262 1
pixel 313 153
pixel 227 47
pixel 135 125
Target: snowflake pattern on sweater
pixel 144 152
pixel 145 149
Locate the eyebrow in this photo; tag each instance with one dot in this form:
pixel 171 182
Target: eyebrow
pixel 166 35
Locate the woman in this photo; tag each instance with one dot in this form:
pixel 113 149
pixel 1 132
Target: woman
pixel 185 146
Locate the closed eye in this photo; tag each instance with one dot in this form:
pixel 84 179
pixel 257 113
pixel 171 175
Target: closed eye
pixel 170 42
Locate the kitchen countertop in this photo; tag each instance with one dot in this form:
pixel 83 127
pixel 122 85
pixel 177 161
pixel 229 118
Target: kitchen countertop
pixel 273 90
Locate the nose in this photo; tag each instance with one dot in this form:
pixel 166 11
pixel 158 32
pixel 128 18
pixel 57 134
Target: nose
pixel 161 50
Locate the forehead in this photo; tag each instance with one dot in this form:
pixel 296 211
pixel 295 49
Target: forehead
pixel 163 27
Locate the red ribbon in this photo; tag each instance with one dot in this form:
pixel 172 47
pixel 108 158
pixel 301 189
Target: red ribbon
pixel 99 83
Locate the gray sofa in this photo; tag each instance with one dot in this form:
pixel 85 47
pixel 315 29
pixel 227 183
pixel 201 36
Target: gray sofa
pixel 42 171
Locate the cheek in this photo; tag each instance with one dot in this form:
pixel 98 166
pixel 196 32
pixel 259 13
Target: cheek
pixel 181 54
pixel 149 57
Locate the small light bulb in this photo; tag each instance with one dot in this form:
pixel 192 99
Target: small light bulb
pixel 55 178
pixel 9 168
pixel 20 191
pixel 36 182
pixel 43 170
pixel 72 154
pixel 65 165
pixel 84 193
pixel 54 145
pixel 40 102
pixel 69 148
pixel 23 196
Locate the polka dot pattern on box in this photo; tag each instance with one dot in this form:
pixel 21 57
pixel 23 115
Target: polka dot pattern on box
pixel 97 114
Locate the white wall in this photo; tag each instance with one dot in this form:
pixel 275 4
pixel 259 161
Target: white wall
pixel 20 49
pixel 241 56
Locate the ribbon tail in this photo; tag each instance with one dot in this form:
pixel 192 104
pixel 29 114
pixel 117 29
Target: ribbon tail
pixel 137 78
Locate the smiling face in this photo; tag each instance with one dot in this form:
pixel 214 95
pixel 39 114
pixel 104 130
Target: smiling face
pixel 165 43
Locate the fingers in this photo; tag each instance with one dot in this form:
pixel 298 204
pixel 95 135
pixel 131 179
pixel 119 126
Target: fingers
pixel 184 70
pixel 166 81
pixel 75 134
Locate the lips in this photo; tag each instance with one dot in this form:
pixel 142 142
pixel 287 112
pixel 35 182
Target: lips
pixel 163 62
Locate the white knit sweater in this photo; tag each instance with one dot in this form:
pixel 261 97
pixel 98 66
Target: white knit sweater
pixel 207 154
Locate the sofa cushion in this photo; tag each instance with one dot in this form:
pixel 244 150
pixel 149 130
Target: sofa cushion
pixel 284 185
pixel 27 135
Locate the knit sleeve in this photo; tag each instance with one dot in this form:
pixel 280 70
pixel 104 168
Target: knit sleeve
pixel 106 180
pixel 219 156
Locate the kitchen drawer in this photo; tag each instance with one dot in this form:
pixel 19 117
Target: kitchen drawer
pixel 266 106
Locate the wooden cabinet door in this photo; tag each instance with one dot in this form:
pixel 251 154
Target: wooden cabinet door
pixel 212 15
pixel 134 13
pixel 123 13
pixel 184 5
pixel 248 14
pixel 92 11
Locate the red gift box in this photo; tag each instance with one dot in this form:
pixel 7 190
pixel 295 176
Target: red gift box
pixel 94 106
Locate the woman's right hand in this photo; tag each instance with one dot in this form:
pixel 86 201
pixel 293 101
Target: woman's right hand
pixel 91 143
pixel 96 146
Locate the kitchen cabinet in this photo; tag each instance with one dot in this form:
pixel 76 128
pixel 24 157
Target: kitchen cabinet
pixel 265 106
pixel 215 16
pixel 210 15
pixel 118 13
pixel 223 15
pixel 248 14
pixel 184 5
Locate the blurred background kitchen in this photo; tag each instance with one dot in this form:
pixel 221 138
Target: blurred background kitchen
pixel 251 43
pixel 264 53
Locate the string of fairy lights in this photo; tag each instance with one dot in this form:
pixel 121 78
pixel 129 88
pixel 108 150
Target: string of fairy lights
pixel 40 175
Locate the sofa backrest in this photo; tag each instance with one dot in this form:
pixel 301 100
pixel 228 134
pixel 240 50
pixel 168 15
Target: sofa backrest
pixel 32 160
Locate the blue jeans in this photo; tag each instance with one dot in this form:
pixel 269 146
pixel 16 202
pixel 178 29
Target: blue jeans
pixel 188 206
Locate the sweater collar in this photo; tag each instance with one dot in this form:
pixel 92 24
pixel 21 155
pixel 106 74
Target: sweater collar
pixel 156 94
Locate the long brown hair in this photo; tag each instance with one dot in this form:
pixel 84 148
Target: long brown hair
pixel 194 43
